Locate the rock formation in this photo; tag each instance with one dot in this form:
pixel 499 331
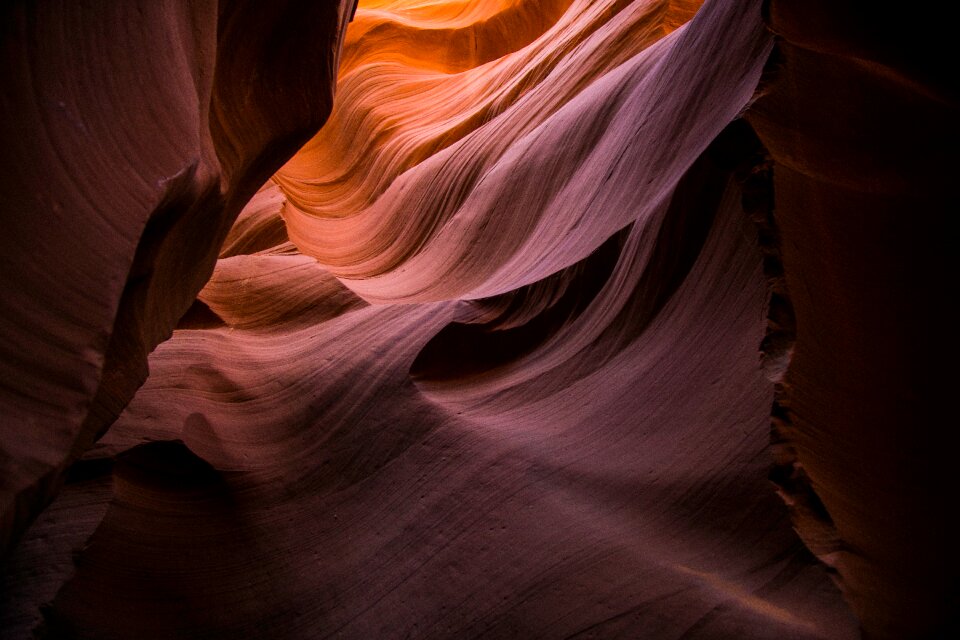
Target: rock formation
pixel 511 347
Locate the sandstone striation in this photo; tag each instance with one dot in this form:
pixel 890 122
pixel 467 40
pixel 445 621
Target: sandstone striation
pixel 134 133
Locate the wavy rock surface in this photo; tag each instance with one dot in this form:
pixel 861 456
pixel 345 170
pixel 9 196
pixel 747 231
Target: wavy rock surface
pixel 494 353
pixel 134 133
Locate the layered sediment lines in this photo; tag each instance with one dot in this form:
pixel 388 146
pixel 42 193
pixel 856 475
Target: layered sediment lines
pixel 134 133
pixel 492 355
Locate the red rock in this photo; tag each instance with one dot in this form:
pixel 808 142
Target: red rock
pixel 494 353
pixel 134 134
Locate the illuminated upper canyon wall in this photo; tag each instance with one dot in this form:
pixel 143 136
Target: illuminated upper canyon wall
pixel 484 357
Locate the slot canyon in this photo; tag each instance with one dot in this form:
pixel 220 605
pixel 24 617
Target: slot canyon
pixel 477 319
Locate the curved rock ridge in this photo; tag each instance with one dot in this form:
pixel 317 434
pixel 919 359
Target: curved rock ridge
pixel 134 133
pixel 547 111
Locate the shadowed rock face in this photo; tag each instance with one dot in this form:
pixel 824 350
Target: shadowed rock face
pixel 134 133
pixel 496 353
pixel 861 125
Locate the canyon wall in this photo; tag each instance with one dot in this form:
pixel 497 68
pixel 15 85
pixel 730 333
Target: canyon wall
pixel 134 133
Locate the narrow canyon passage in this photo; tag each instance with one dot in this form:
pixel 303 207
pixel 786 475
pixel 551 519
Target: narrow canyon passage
pixel 463 319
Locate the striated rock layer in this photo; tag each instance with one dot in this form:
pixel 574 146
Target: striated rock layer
pixel 134 133
pixel 494 353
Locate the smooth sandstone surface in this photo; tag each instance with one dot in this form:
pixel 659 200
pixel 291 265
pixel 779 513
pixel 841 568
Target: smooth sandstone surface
pixel 512 347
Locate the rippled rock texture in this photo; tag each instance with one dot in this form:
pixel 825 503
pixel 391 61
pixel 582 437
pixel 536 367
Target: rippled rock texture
pixel 510 348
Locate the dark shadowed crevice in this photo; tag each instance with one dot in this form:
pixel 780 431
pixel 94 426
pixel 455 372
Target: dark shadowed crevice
pixel 809 515
pixel 468 349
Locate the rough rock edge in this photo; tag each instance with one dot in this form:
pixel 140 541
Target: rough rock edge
pixel 810 517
